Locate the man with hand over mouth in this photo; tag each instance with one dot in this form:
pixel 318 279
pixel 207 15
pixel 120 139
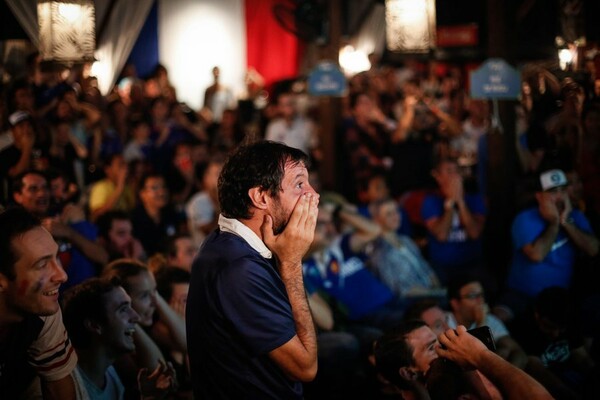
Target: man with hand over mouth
pixel 250 330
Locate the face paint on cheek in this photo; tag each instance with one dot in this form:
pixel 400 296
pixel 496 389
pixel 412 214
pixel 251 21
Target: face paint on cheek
pixel 38 286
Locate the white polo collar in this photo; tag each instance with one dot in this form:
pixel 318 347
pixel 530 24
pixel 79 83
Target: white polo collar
pixel 237 228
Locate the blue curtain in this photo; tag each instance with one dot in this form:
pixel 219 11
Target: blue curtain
pixel 144 54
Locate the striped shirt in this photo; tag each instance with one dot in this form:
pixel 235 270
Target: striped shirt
pixel 52 354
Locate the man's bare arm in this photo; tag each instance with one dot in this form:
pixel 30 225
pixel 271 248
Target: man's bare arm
pixel 584 241
pixel 539 249
pixel 440 226
pixel 473 223
pixel 298 357
pixel 468 351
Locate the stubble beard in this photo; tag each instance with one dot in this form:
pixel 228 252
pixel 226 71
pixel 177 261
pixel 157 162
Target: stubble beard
pixel 280 219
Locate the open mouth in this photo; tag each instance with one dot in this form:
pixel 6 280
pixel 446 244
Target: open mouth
pixel 51 293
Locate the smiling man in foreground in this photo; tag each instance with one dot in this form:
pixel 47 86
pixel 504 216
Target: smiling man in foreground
pixel 250 332
pixel 33 339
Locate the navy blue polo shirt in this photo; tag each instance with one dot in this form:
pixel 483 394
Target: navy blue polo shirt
pixel 237 312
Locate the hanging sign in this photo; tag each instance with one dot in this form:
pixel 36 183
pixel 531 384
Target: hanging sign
pixel 495 79
pixel 326 79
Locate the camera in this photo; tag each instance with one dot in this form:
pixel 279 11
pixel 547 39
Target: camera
pixel 484 334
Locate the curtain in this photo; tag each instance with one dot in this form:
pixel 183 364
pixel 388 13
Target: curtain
pixel 118 38
pixel 271 50
pixel 371 36
pixel 26 13
pixel 122 30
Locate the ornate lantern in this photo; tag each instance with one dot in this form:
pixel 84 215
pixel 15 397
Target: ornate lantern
pixel 67 30
pixel 410 25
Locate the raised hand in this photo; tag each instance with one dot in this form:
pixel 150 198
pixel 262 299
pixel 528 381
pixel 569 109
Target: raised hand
pixel 481 312
pixel 547 208
pixel 566 210
pixel 290 245
pixel 56 228
pixel 159 383
pixel 455 188
pixel 24 140
pixel 461 347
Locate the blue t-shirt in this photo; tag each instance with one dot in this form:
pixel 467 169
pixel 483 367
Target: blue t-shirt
pixel 77 266
pixel 346 279
pixel 556 269
pixel 237 312
pixel 458 249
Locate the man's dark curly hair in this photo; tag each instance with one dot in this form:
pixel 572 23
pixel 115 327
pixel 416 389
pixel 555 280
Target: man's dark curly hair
pixel 393 351
pixel 14 222
pixel 86 301
pixel 261 164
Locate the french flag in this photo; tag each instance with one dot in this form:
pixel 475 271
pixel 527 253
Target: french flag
pixel 190 37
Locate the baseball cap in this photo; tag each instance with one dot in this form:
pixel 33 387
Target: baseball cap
pixel 552 179
pixel 18 117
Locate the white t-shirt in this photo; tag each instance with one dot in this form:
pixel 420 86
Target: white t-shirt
pixel 300 134
pixel 496 326
pixel 87 390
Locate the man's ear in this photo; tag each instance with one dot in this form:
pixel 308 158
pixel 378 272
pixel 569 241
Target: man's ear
pixel 18 197
pixel 408 373
pixel 4 282
pixel 92 326
pixel 258 196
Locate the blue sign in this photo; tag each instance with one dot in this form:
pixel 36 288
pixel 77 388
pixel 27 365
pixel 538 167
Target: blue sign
pixel 495 79
pixel 326 80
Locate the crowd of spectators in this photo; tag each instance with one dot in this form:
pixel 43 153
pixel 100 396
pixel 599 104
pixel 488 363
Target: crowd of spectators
pixel 126 184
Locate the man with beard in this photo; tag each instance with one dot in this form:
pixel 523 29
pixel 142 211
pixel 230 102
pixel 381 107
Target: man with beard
pixel 250 330
pixel 33 339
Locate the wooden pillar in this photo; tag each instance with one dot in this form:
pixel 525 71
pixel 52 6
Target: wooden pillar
pixel 502 167
pixel 330 107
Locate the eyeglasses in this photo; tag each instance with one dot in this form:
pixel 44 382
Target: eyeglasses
pixel 473 296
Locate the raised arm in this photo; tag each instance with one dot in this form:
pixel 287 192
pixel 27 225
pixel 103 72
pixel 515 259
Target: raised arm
pixel 321 312
pixel 406 120
pixel 171 330
pixel 540 247
pixel 365 230
pixel 93 251
pixel 468 351
pixel 473 223
pixel 586 242
pixel 440 226
pixel 298 357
